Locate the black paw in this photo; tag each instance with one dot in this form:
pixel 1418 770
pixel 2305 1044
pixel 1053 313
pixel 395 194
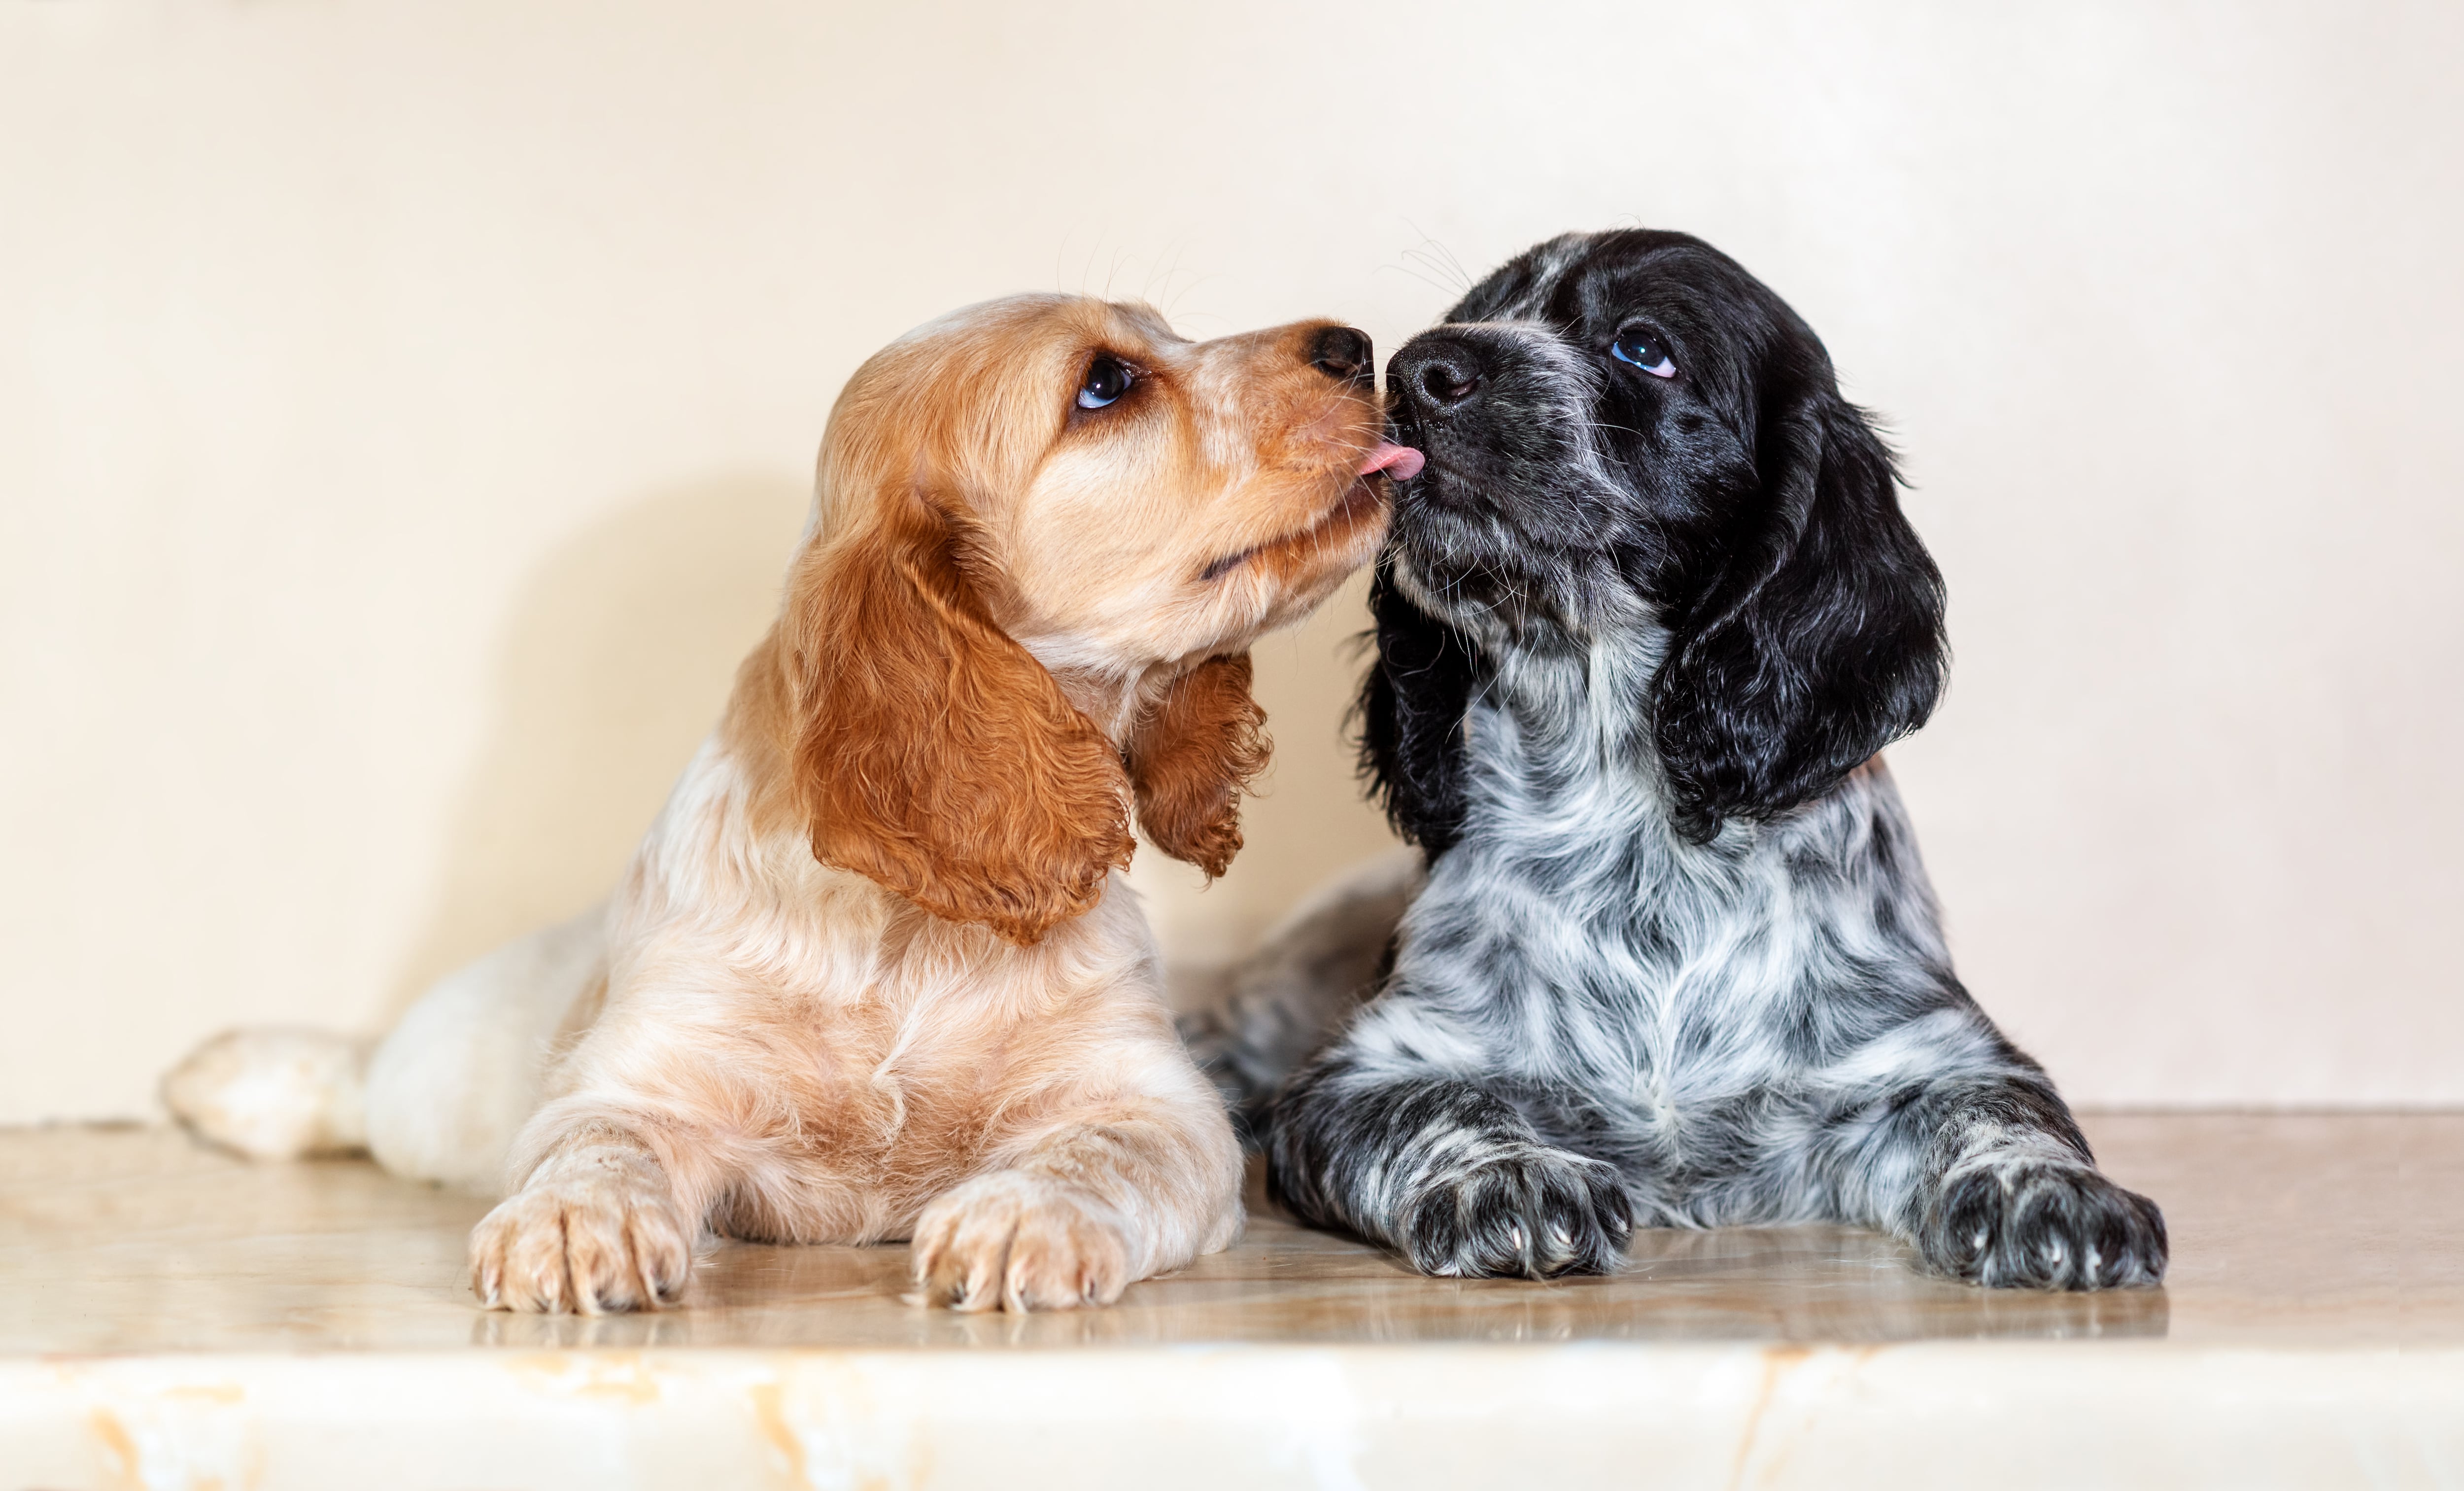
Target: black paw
pixel 2031 1226
pixel 1528 1213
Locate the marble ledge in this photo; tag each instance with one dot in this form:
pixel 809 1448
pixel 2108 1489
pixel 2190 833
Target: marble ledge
pixel 179 1319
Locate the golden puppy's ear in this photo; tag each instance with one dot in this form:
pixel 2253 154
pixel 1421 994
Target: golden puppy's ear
pixel 934 755
pixel 1192 757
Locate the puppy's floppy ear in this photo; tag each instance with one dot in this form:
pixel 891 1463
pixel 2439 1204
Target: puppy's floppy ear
pixel 933 754
pixel 1821 639
pixel 1410 710
pixel 1191 758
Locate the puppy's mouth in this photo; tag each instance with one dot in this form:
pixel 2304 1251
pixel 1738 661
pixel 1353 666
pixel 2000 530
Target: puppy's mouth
pixel 1362 502
pixel 1401 462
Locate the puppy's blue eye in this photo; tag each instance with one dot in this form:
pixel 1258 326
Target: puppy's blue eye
pixel 1646 352
pixel 1106 380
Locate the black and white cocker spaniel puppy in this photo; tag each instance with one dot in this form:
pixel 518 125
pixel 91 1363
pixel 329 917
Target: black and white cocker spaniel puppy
pixel 1645 617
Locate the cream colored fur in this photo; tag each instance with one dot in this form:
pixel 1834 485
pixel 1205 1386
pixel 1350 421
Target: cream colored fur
pixel 463 1070
pixel 751 1041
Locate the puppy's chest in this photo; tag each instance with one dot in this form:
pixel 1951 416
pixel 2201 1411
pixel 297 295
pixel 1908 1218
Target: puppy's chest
pixel 1599 941
pixel 887 1081
pixel 1653 974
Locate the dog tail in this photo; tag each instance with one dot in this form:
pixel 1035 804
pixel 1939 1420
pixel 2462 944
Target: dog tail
pixel 1300 986
pixel 440 1098
pixel 275 1093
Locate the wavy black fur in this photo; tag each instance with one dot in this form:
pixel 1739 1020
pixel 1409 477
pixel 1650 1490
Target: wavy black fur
pixel 1676 960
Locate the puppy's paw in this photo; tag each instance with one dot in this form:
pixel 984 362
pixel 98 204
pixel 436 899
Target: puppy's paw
pixel 593 1241
pixel 1014 1242
pixel 1528 1211
pixel 2038 1226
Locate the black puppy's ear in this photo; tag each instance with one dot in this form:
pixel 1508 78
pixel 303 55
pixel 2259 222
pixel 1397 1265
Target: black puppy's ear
pixel 1412 709
pixel 1821 640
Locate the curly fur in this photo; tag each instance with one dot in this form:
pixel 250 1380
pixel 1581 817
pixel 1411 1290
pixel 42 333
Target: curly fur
pixel 1191 759
pixel 938 758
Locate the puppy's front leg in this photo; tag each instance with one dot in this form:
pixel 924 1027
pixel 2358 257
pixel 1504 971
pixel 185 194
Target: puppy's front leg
pixel 1443 1168
pixel 2001 1190
pixel 595 1228
pixel 1103 1197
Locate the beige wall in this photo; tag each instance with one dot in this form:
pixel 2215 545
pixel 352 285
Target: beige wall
pixel 405 411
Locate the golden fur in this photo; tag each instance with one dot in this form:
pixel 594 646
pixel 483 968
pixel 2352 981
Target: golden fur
pixel 874 973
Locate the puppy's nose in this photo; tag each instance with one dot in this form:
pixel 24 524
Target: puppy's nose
pixel 1446 382
pixel 1438 378
pixel 1342 353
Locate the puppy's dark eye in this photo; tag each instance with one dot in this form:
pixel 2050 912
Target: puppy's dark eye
pixel 1643 349
pixel 1106 379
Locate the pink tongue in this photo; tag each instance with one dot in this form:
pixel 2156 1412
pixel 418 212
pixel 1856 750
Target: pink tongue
pixel 1399 461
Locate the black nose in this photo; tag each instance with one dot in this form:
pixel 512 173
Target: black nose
pixel 1446 382
pixel 1438 376
pixel 1341 353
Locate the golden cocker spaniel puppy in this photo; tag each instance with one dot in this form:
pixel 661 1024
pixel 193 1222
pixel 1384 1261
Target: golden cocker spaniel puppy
pixel 874 973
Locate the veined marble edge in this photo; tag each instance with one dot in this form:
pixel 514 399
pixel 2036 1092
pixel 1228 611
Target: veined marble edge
pixel 1499 1353
pixel 1587 1412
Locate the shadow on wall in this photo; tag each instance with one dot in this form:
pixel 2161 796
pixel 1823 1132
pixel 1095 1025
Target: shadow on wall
pixel 617 661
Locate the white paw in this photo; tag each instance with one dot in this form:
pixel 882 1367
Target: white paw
pixel 591 1234
pixel 1014 1242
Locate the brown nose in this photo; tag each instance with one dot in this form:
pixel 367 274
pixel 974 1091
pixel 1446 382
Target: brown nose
pixel 1342 353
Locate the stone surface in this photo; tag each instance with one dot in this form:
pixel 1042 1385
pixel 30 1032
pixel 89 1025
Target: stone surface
pixel 176 1317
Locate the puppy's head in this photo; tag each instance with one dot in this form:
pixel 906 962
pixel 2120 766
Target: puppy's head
pixel 1043 501
pixel 1629 437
